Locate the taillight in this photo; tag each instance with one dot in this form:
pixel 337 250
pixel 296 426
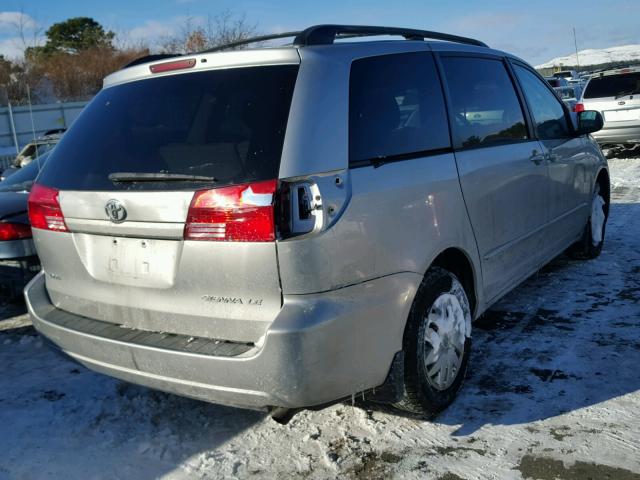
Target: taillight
pixel 239 213
pixel 44 209
pixel 14 231
pixel 578 107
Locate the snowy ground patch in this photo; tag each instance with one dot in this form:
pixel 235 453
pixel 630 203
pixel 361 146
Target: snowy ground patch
pixel 553 392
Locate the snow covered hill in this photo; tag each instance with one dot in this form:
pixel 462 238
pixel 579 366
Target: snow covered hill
pixel 596 56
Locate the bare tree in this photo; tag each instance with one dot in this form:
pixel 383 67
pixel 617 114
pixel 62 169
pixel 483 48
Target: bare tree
pixel 219 29
pixel 79 76
pixel 21 77
pixel 27 30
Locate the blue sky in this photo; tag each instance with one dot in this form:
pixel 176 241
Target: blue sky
pixel 536 30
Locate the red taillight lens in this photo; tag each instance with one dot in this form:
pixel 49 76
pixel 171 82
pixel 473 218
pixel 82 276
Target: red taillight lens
pixel 44 209
pixel 239 213
pixel 14 231
pixel 578 107
pixel 170 66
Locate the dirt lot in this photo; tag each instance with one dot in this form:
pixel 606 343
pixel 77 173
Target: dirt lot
pixel 553 392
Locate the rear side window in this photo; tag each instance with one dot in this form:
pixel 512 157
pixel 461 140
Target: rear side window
pixel 396 107
pixel 228 124
pixel 548 113
pixel 484 106
pixel 613 85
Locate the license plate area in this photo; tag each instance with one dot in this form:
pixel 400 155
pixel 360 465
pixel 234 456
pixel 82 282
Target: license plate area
pixel 622 115
pixel 139 262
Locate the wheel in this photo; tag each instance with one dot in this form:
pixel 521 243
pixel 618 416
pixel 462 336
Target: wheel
pixel 437 342
pixel 590 245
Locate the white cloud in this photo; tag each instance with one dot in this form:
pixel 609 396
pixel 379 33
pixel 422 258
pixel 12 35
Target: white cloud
pixel 11 48
pixel 9 22
pixel 12 26
pixel 152 29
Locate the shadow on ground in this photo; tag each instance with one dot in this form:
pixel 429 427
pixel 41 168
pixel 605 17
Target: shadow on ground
pixel 73 423
pixel 566 339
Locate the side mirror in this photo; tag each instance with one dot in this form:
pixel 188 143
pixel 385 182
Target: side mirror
pixel 589 121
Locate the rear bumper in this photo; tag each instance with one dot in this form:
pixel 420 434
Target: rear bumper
pixel 617 135
pixel 320 348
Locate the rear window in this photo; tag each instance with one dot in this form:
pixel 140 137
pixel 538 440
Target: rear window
pixel 228 124
pixel 566 93
pixel 396 108
pixel 613 85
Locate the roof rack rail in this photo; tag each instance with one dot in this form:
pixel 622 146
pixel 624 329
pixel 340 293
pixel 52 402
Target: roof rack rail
pixel 151 58
pixel 246 41
pixel 328 34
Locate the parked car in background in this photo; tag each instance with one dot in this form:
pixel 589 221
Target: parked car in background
pixel 18 260
pixel 566 74
pixel 616 95
pixel 279 228
pixel 557 82
pixel 33 150
pixel 569 95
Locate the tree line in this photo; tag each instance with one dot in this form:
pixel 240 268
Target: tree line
pixel 79 53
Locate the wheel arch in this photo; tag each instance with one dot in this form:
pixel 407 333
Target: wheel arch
pixel 604 182
pixel 458 262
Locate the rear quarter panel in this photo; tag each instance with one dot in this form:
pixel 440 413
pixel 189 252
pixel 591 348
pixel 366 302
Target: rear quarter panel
pixel 399 218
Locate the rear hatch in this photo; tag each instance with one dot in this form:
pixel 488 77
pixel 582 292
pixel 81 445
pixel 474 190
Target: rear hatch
pixel 616 95
pixel 166 187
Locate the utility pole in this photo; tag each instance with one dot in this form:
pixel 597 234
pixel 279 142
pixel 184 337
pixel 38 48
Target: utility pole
pixel 575 43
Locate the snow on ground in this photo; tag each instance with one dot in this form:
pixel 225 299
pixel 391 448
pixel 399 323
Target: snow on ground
pixel 553 392
pixel 596 56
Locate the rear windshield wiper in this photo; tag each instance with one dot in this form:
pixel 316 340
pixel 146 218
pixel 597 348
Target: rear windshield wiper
pixel 624 94
pixel 132 177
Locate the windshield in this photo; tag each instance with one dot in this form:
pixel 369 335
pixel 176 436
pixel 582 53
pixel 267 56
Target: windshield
pixel 613 85
pixel 567 74
pixel 45 147
pixel 227 124
pixel 566 93
pixel 24 177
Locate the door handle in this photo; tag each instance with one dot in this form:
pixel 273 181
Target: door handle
pixel 537 157
pixel 553 157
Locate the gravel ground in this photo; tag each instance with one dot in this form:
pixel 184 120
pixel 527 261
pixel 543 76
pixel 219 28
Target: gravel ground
pixel 553 392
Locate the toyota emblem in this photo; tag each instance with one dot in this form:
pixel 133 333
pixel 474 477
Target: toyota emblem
pixel 115 211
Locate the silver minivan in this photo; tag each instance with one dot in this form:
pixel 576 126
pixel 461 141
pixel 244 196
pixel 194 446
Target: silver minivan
pixel 282 228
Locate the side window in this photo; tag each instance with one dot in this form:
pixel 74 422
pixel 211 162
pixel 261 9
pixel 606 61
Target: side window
pixel 396 107
pixel 546 108
pixel 484 106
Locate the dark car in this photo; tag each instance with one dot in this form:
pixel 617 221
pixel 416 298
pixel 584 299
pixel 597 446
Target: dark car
pixel 33 150
pixel 18 259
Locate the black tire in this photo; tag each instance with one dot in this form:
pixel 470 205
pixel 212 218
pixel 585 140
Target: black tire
pixel 420 396
pixel 585 249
